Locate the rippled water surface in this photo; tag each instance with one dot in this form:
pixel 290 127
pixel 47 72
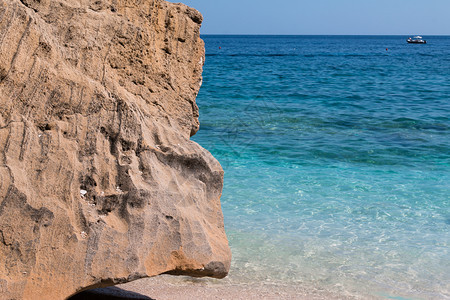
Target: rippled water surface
pixel 337 160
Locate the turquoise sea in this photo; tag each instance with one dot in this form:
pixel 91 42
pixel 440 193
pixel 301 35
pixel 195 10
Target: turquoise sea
pixel 336 154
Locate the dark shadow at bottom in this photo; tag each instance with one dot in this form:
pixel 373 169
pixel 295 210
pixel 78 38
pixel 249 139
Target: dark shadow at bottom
pixel 109 293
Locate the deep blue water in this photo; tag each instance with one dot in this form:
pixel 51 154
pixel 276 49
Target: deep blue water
pixel 337 160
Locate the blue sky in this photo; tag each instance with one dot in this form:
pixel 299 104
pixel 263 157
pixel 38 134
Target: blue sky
pixel 385 17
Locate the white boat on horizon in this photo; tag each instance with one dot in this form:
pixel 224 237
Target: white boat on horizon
pixel 416 40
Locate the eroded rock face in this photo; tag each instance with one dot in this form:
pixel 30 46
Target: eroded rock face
pixel 99 182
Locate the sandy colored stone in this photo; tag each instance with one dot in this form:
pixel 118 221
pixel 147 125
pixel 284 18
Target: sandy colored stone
pixel 99 181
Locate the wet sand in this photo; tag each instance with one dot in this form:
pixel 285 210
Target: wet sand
pixel 183 288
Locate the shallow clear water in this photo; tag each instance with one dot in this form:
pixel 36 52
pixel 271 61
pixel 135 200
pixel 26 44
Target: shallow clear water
pixel 337 160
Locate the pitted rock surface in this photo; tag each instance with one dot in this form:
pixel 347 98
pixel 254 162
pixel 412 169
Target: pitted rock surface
pixel 100 183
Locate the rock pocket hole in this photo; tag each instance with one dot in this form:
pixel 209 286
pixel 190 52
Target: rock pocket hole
pixel 45 127
pixel 3 73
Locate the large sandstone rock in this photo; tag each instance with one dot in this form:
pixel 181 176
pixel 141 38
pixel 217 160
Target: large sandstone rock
pixel 99 181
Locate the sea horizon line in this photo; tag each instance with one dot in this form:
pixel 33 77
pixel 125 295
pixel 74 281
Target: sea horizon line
pixel 337 35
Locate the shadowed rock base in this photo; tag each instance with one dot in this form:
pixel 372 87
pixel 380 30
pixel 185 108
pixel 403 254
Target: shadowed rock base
pixel 111 293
